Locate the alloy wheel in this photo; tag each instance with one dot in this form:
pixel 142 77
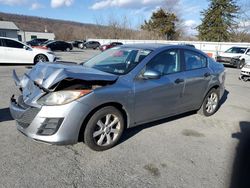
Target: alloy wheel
pixel 212 102
pixel 107 130
pixel 40 58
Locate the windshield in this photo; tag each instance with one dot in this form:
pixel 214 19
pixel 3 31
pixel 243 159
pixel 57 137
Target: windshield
pixel 117 61
pixel 236 50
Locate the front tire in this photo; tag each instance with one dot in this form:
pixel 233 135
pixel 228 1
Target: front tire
pixel 40 58
pixel 241 64
pixel 104 129
pixel 210 104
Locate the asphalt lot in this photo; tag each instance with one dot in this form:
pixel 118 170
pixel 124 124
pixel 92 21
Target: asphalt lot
pixel 186 151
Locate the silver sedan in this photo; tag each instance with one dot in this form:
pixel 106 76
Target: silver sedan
pixel 120 88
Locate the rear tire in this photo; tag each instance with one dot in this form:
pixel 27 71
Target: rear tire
pixel 104 129
pixel 210 104
pixel 67 49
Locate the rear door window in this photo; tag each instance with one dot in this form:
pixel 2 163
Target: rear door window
pixel 194 60
pixel 166 62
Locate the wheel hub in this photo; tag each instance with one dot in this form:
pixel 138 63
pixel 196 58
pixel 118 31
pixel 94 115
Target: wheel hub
pixel 107 130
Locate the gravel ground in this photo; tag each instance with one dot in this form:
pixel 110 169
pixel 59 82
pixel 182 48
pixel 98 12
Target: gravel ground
pixel 185 151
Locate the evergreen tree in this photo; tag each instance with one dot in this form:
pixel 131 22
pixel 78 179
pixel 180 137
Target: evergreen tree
pixel 218 21
pixel 163 24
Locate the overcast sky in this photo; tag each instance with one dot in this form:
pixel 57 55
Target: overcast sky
pixel 99 11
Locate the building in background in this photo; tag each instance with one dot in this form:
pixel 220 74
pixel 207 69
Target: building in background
pixel 25 36
pixel 8 29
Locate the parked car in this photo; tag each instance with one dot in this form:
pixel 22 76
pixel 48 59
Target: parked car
pixel 13 51
pixel 58 45
pixel 235 56
pixel 36 42
pixel 90 44
pixel 245 73
pixel 78 43
pixel 120 88
pixel 110 45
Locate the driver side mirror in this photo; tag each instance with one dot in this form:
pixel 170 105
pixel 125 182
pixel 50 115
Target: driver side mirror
pixel 248 53
pixel 151 74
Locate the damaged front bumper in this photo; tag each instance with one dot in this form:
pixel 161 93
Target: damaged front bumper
pixel 59 124
pixel 50 124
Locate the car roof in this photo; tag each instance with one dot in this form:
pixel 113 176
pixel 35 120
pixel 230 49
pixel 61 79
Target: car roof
pixel 148 46
pixel 159 46
pixel 155 46
pixel 9 38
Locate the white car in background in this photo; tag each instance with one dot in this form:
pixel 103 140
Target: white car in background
pixel 236 56
pixel 245 73
pixel 13 51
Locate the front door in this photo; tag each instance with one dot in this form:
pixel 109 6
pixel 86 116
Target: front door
pixel 158 98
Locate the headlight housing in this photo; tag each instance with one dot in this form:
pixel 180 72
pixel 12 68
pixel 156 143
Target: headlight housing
pixel 62 97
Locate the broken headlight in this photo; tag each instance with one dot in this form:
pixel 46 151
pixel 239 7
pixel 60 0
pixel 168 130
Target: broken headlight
pixel 62 97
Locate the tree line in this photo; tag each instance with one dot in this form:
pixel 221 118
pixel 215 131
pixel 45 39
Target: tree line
pixel 220 22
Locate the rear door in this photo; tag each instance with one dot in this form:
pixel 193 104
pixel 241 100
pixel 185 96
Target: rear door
pixel 157 98
pixel 197 78
pixel 57 45
pixel 91 44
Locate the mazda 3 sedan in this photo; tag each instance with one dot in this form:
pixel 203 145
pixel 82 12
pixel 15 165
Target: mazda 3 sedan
pixel 120 88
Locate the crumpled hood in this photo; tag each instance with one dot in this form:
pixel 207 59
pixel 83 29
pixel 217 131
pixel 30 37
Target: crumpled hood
pixel 48 74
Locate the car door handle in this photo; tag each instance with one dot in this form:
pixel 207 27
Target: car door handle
pixel 207 74
pixel 178 80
